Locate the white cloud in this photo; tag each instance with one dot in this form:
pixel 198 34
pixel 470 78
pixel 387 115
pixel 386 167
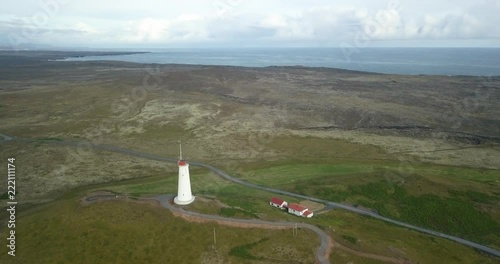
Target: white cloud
pixel 315 22
pixel 449 26
pixel 274 21
pixel 148 29
pixel 83 27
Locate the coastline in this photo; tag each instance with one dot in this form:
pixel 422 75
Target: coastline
pixel 114 57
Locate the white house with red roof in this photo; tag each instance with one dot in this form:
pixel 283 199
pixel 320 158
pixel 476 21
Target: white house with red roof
pixel 293 208
pixel 299 210
pixel 277 202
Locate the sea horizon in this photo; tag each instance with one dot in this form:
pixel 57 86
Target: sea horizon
pixel 453 61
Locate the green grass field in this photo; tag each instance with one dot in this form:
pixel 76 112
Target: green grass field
pixel 458 201
pixel 453 190
pixel 372 236
pixel 344 257
pixel 128 232
pixel 66 220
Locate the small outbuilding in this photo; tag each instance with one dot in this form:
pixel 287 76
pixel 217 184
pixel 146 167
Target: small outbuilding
pixel 277 202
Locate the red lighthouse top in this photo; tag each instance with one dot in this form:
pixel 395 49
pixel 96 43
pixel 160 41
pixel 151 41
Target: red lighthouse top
pixel 182 163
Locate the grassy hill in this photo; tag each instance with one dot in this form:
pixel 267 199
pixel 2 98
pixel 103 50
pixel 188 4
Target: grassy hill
pixel 130 232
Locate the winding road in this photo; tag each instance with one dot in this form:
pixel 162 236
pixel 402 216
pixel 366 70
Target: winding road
pixel 259 187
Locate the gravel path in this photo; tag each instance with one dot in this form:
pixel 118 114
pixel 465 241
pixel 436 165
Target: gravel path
pixel 264 188
pixel 322 253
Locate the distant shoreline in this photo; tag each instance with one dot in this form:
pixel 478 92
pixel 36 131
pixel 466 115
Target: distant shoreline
pixel 21 57
pixel 108 53
pixel 401 61
pixel 58 54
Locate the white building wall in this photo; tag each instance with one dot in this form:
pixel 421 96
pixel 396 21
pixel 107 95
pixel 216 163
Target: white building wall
pixel 294 212
pixel 184 195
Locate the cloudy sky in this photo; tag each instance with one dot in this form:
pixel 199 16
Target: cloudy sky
pixel 249 23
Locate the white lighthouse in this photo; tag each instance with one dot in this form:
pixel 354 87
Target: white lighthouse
pixel 184 195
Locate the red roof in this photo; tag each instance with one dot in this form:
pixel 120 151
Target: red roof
pixel 277 201
pixel 307 212
pixel 182 163
pixel 296 207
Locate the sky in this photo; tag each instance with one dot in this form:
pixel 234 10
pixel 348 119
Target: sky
pixel 249 23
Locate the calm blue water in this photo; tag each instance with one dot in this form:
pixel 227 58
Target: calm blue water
pixel 433 61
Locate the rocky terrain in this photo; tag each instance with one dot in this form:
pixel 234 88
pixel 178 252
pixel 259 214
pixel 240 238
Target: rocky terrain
pixel 237 112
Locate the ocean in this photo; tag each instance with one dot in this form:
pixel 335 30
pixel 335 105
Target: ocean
pixel 413 61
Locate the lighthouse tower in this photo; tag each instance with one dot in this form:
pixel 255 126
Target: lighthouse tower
pixel 184 195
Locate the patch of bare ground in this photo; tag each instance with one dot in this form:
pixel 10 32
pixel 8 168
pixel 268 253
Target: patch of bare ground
pixel 432 150
pixel 70 167
pixel 338 246
pixel 212 200
pixel 312 206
